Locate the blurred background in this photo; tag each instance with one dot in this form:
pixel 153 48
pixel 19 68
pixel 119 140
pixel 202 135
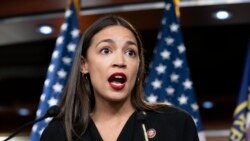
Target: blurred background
pixel 215 45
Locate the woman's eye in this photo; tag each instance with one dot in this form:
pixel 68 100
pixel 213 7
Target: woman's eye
pixel 105 51
pixel 131 53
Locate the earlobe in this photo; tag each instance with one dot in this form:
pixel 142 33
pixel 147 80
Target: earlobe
pixel 84 66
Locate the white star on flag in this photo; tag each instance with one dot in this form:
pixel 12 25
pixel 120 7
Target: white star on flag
pixel 38 112
pixel 68 13
pixel 156 84
pixel 169 40
pixel 57 88
pixel 165 54
pixel 75 33
pixel 183 99
pixel 51 68
pixel 170 90
pixel 194 106
pixel 59 40
pixel 168 6
pixel 42 97
pixel 52 101
pixel 66 60
pixel 174 77
pixel 34 128
pixel 181 48
pixel 178 63
pixel 46 82
pixel 71 47
pixel 64 26
pixel 161 69
pixel 174 27
pixel 62 73
pixel 152 98
pixel 55 54
pixel 187 84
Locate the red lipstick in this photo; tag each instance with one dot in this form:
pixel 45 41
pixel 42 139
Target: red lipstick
pixel 117 81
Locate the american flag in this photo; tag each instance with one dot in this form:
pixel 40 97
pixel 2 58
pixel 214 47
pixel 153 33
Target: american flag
pixel 59 68
pixel 169 79
pixel 240 130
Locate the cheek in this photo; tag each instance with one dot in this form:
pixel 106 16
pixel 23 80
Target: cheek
pixel 135 70
pixel 97 73
pixel 96 81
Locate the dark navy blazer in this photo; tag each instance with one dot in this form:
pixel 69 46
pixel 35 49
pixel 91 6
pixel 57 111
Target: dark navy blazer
pixel 165 124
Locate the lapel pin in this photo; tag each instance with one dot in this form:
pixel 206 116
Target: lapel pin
pixel 151 133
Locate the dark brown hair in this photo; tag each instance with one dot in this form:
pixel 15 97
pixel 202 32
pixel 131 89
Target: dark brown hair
pixel 78 100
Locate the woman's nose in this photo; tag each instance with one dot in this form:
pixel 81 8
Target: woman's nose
pixel 119 65
pixel 119 61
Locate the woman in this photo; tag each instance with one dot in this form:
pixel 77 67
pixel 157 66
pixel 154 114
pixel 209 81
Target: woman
pixel 104 96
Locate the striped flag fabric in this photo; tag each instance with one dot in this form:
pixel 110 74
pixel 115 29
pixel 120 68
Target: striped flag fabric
pixel 240 130
pixel 169 78
pixel 59 68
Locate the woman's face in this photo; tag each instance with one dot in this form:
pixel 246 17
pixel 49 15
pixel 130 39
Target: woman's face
pixel 112 62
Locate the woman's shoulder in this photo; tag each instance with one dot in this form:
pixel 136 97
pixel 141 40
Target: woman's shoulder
pixel 55 125
pixel 168 111
pixel 171 122
pixel 54 131
pixel 170 117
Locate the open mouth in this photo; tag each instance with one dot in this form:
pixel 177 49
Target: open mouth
pixel 117 81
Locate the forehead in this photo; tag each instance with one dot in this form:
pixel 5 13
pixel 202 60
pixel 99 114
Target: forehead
pixel 114 30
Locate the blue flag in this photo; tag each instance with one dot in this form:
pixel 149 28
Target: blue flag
pixel 59 68
pixel 240 130
pixel 169 79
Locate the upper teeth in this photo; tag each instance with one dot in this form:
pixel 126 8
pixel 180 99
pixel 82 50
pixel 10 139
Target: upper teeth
pixel 118 76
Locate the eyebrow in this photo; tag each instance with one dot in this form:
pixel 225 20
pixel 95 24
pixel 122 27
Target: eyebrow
pixel 105 40
pixel 111 41
pixel 131 43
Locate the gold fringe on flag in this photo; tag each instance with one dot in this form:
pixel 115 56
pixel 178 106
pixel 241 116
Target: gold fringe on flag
pixel 76 3
pixel 177 8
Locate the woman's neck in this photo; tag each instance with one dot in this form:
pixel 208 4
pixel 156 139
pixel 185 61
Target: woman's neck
pixel 113 116
pixel 111 110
